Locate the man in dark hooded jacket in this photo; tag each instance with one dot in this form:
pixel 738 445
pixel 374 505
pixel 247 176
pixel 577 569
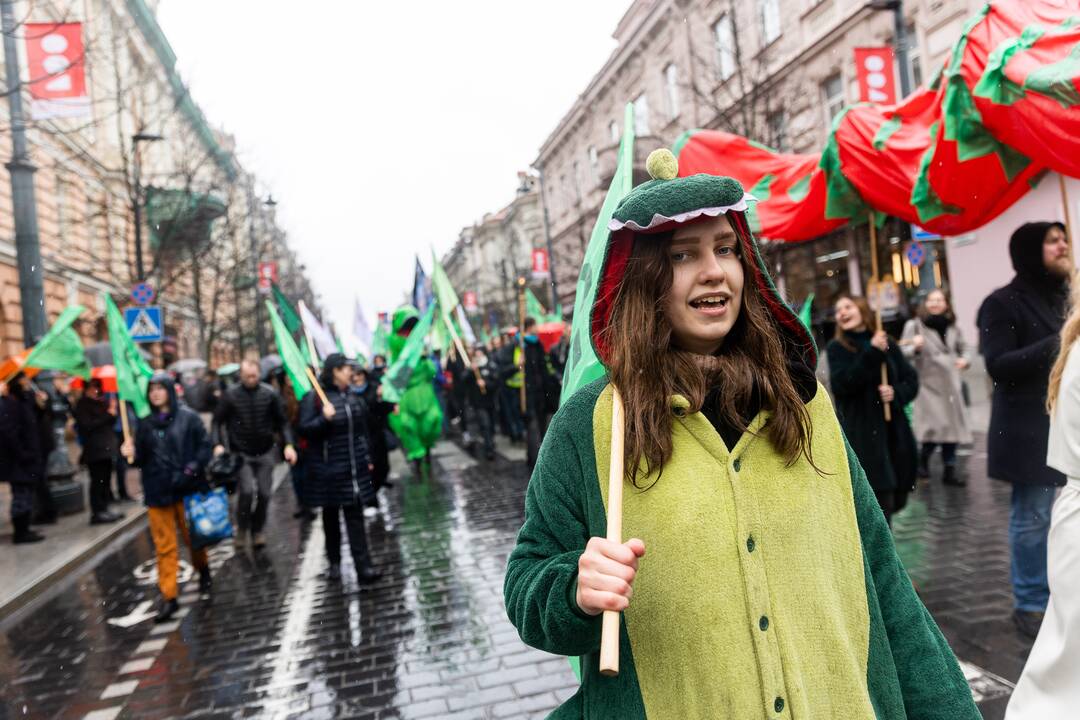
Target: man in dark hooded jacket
pixel 1018 330
pixel 172 448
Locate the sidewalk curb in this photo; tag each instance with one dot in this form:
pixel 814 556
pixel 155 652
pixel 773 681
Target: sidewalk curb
pixel 119 533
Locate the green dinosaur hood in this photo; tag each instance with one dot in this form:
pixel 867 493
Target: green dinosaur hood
pixel 667 202
pixel 404 320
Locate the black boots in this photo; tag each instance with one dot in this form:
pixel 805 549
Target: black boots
pixel 23 534
pixel 924 462
pixel 206 583
pixel 167 610
pixel 951 478
pixel 1027 622
pixel 365 573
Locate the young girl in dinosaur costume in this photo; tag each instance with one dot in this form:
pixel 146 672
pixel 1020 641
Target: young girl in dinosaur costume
pixel 770 587
pixel 418 422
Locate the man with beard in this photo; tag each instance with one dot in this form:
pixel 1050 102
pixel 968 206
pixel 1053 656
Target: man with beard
pixel 1018 328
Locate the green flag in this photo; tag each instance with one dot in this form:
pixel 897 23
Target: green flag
pixel 291 356
pixel 288 314
pixel 533 308
pixel 380 341
pixel 132 371
pixel 61 348
pixel 440 285
pixel 582 365
pixel 397 375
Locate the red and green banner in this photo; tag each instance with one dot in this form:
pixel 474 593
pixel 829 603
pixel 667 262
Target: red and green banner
pixel 950 157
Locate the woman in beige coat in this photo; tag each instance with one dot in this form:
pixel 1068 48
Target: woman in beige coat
pixel 934 345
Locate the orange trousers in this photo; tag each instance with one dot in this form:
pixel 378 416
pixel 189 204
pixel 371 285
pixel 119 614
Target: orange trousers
pixel 165 522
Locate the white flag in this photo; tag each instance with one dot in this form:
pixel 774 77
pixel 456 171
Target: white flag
pixel 360 326
pixel 466 328
pixel 320 335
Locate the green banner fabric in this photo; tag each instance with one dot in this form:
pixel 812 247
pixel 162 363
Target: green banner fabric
pixel 582 365
pixel 132 371
pixel 397 375
pixel 380 341
pixel 441 286
pixel 806 312
pixel 61 348
pixel 533 307
pixel 291 356
pixel 287 311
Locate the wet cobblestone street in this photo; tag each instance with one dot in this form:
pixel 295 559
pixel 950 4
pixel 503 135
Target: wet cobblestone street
pixel 429 640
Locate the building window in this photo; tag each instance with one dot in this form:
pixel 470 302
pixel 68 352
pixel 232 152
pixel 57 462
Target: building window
pixel 724 36
pixel 577 182
pixel 770 20
pixel 832 97
pixel 778 138
pixel 641 115
pixel 594 164
pixel 671 85
pixel 613 128
pixel 914 60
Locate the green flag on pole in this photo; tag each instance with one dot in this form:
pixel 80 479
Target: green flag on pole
pixel 288 313
pixel 132 371
pixel 61 348
pixel 533 307
pixel 582 365
pixel 380 341
pixel 291 356
pixel 397 375
pixel 441 286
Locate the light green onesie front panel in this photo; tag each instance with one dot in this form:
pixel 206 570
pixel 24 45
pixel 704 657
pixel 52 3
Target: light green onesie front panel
pixel 750 601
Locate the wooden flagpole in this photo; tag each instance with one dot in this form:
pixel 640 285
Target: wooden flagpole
pixel 316 386
pixel 125 426
pixel 609 637
pixel 1065 205
pixel 877 310
pixel 464 355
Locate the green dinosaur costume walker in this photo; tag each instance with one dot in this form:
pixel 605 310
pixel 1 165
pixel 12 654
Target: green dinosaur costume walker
pixel 418 422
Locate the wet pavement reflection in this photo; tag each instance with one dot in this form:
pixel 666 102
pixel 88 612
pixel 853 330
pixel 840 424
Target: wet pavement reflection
pixel 431 639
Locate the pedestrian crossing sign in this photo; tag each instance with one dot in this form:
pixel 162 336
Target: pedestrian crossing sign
pixel 144 323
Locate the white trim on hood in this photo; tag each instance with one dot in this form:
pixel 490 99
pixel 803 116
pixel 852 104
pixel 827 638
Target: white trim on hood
pixel 658 220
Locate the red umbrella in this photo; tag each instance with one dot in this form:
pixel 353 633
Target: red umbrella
pixel 105 373
pixel 549 333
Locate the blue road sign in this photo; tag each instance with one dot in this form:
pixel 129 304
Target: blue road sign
pixel 142 294
pixel 145 323
pixel 916 253
pixel 918 233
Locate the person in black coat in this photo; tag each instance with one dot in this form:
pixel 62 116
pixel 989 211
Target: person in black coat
pixel 480 395
pixel 20 460
pixel 541 392
pixel 95 422
pixel 370 389
pixel 886 450
pixel 1018 333
pixel 37 413
pixel 172 448
pixel 338 475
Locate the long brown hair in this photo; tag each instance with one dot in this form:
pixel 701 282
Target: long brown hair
pixel 645 368
pixel 868 317
pixel 1070 331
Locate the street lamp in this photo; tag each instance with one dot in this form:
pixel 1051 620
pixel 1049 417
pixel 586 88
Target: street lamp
pixel 135 140
pixel 899 38
pixel 260 336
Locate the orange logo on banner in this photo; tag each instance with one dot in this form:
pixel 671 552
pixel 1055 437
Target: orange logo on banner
pixel 56 62
pixel 877 75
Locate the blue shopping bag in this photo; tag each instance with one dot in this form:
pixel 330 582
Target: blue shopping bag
pixel 208 517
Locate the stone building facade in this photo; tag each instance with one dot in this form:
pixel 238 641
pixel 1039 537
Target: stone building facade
pixel 491 254
pixel 198 206
pixel 776 71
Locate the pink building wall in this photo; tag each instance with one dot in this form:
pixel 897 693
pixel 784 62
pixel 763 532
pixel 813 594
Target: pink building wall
pixel 979 261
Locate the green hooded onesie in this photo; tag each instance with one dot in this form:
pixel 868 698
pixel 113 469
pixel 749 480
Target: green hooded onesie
pixel 418 424
pixel 769 590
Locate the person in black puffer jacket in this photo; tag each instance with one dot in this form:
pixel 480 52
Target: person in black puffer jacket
pixel 95 421
pixel 20 459
pixel 172 448
pixel 368 386
pixel 339 468
pixel 248 419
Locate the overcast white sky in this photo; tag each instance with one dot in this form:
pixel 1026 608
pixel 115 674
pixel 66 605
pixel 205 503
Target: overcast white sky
pixel 383 128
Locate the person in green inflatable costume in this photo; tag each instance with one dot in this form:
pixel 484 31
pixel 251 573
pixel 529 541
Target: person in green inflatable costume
pixel 418 422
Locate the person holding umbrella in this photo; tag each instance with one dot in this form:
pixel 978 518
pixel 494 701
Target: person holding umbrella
pixel 95 418
pixel 760 578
